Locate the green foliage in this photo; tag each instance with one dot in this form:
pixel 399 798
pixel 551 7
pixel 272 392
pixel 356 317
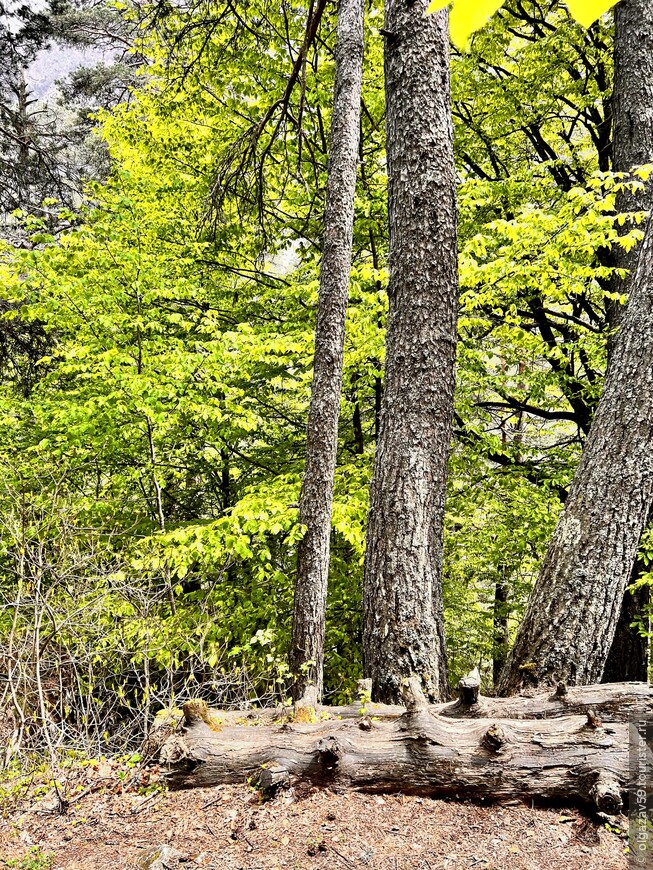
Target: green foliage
pixel 35 859
pixel 154 401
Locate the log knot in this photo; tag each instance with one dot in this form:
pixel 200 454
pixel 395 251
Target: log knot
pixel 389 35
pixel 412 695
pixel 269 780
pixel 606 793
pixel 196 711
pixel 593 721
pixel 494 738
pixel 329 751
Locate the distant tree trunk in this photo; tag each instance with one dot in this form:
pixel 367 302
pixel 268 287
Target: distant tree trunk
pixel 403 631
pixel 573 610
pixel 632 145
pixel 307 651
pixel 501 638
pixel 628 657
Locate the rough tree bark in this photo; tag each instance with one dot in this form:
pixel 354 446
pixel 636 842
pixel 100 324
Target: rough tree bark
pixel 632 123
pixel 573 610
pixel 307 650
pixel 614 702
pixel 403 630
pixel 632 145
pixel 439 750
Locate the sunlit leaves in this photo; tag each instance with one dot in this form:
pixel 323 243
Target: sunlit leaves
pixel 185 345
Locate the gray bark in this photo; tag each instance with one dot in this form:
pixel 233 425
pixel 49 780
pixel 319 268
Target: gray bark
pixel 632 123
pixel 403 631
pixel 615 702
pixel 632 145
pixel 573 609
pixel 316 500
pixel 574 758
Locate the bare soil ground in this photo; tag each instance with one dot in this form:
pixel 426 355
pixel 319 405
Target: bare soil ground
pixel 117 817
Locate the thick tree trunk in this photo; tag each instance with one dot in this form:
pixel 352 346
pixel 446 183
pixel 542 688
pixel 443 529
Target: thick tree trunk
pixel 575 606
pixel 632 145
pixel 573 758
pixel 573 610
pixel 632 125
pixel 403 630
pixel 307 651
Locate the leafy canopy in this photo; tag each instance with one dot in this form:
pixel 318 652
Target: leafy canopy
pixel 156 358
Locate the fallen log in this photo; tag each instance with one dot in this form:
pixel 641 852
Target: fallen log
pixel 572 759
pixel 614 702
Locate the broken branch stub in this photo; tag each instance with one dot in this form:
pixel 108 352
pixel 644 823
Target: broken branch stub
pixel 469 687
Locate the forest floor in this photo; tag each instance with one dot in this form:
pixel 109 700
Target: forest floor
pixel 117 817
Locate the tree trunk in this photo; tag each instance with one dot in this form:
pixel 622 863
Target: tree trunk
pixel 501 633
pixel 307 651
pixel 628 658
pixel 573 758
pixel 573 610
pixel 632 145
pixel 632 126
pixel 403 630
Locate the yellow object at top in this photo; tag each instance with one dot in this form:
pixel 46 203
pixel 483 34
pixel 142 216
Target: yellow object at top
pixel 468 16
pixel 587 11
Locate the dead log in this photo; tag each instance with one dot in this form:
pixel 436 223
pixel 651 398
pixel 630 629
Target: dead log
pixel 614 702
pixel 563 759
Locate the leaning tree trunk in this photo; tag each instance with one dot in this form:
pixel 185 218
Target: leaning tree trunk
pixel 573 609
pixel 632 124
pixel 403 630
pixel 468 749
pixel 307 650
pixel 632 145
